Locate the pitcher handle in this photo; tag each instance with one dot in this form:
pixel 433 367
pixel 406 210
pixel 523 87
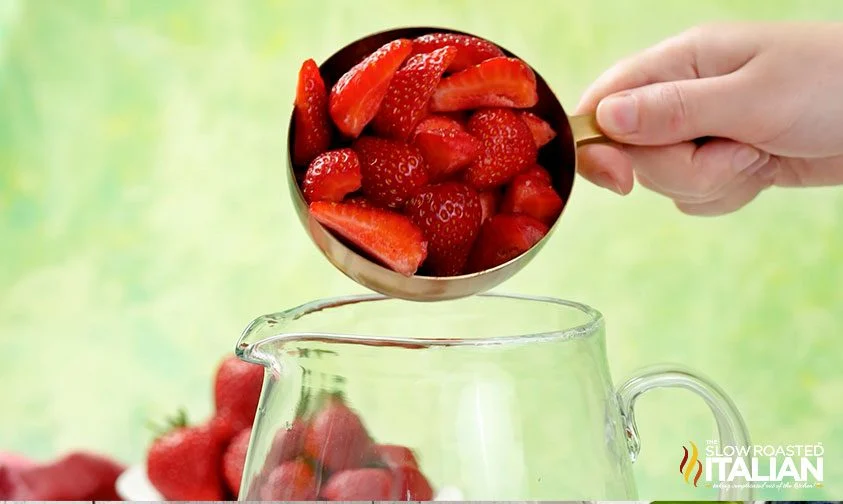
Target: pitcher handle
pixel 730 424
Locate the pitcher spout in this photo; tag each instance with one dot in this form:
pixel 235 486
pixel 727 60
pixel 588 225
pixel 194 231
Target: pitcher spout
pixel 259 330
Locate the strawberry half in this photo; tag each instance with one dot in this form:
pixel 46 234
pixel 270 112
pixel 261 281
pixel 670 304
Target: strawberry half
pixel 539 173
pixel 365 484
pixel 409 92
pixel 449 216
pixel 508 148
pixel 504 237
pixel 445 145
pixel 470 50
pixel 392 170
pixel 387 236
pixel 528 194
pixel 356 96
pixel 489 202
pixel 332 175
pixel 541 130
pixel 496 82
pixel 313 126
pixel 336 437
pixel 291 481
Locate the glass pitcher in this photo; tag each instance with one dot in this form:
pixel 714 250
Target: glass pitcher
pixel 492 397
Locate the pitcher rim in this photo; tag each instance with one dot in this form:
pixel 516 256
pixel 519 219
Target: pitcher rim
pixel 584 330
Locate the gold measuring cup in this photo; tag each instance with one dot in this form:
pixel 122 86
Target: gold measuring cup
pixel 559 157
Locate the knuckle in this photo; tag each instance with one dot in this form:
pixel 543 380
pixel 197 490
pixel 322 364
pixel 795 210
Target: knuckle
pixel 672 96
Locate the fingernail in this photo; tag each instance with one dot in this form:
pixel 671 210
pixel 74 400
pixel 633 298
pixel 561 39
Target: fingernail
pixel 618 114
pixel 607 181
pixel 745 157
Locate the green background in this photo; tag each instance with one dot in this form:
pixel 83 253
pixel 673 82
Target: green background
pixel 144 220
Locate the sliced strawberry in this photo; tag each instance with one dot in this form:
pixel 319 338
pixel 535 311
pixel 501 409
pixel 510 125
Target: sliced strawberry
pixel 541 130
pixel 489 202
pixel 539 173
pixel 471 50
pixel 394 456
pixel 387 236
pixel 360 200
pixel 528 195
pixel 356 96
pixel 445 145
pixel 291 481
pixel 409 92
pixel 312 123
pixel 332 175
pixel 366 484
pixel 504 237
pixel 392 170
pixel 287 444
pixel 497 82
pixel 449 216
pixel 508 148
pixel 409 484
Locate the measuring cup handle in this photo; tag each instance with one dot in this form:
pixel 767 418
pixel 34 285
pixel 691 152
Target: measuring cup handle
pixel 584 129
pixel 730 424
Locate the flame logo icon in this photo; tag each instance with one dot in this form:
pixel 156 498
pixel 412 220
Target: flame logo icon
pixel 689 463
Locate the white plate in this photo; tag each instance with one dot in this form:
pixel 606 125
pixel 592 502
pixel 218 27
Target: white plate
pixel 133 485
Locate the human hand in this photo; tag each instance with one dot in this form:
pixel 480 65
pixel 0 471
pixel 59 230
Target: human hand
pixel 770 95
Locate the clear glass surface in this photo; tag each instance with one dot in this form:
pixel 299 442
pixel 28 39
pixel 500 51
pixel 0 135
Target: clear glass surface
pixel 493 409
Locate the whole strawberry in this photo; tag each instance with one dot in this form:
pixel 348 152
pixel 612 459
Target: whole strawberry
pixel 237 388
pixel 449 215
pixel 233 460
pixel 184 462
pixel 508 148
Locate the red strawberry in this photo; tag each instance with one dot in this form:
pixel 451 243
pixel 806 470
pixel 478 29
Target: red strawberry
pixel 287 444
pixel 337 438
pixel 445 145
pixel 313 127
pixel 541 130
pixel 471 50
pixel 538 173
pixel 504 237
pixel 393 456
pixel 359 484
pixel 409 92
pixel 508 148
pixel 233 460
pixel 387 236
pixel 529 195
pixel 489 201
pixel 392 170
pixel 360 200
pixel 184 463
pixel 75 476
pixel 409 484
pixel 497 82
pixel 357 95
pixel 332 175
pixel 449 216
pixel 291 481
pixel 237 389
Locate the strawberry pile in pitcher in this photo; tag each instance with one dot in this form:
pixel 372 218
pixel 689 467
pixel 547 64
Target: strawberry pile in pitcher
pixel 330 455
pixel 423 156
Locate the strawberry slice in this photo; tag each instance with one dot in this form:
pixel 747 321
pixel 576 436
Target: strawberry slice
pixel 496 82
pixel 529 195
pixel 508 148
pixel 392 170
pixel 332 175
pixel 541 130
pixel 539 173
pixel 313 126
pixel 365 484
pixel 445 145
pixel 504 237
pixel 449 216
pixel 471 50
pixel 356 96
pixel 291 481
pixel 409 92
pixel 489 202
pixel 387 236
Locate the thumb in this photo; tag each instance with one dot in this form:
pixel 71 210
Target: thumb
pixel 667 113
